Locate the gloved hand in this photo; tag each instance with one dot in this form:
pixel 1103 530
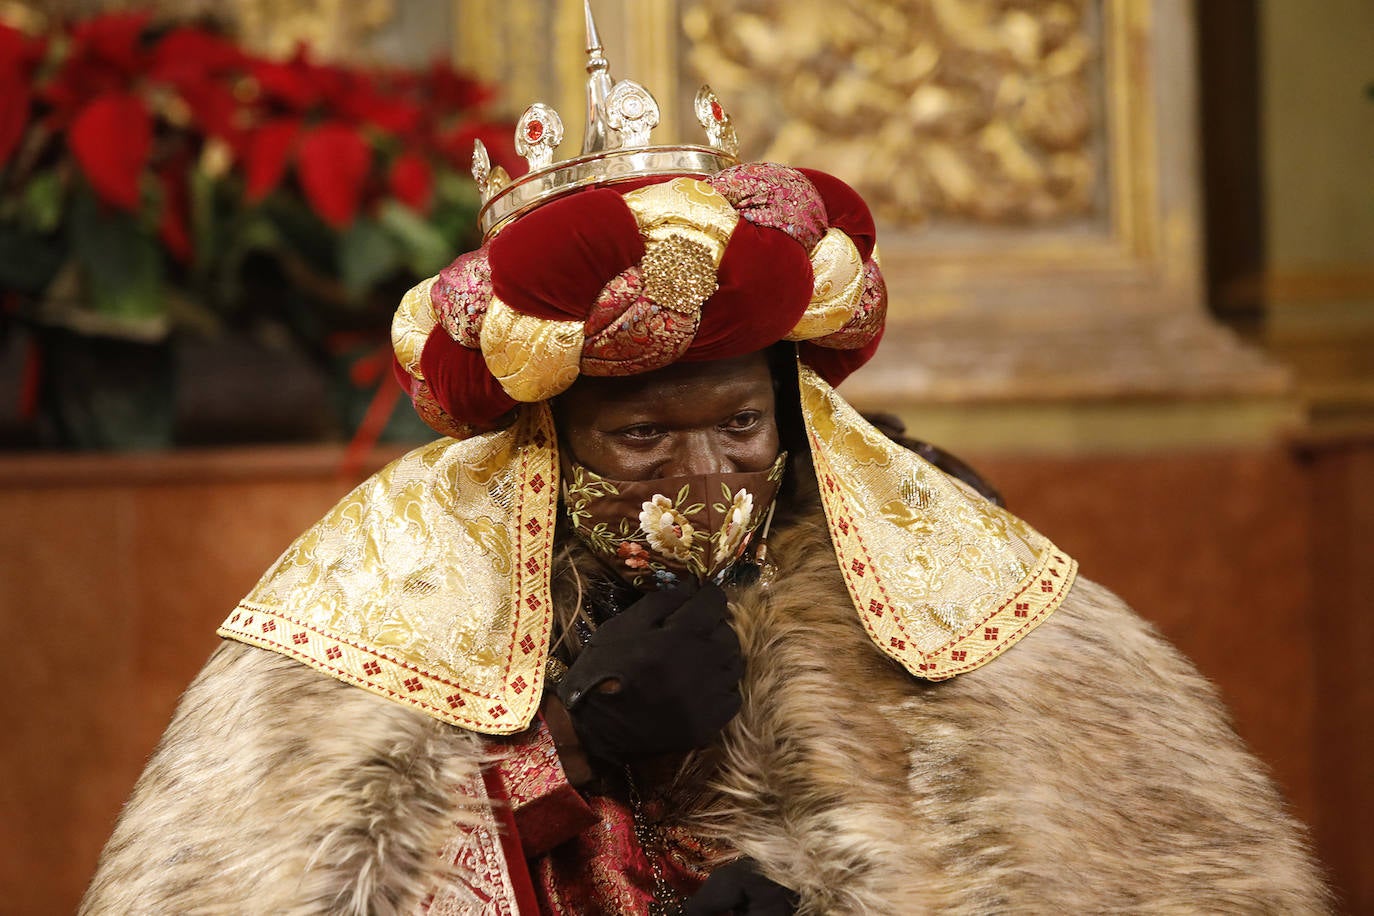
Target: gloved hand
pixel 738 888
pixel 671 667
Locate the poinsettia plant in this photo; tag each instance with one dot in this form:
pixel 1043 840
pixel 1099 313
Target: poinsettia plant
pixel 153 172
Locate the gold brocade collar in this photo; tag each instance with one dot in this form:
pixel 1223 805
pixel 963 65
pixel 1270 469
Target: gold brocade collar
pixel 429 583
pixel 943 580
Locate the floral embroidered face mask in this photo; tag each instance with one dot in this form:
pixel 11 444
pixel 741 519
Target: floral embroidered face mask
pixel 654 533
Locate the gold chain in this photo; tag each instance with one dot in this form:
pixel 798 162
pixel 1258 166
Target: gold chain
pixel 666 901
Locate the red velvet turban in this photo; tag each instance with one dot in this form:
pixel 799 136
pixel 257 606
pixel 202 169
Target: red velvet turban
pixel 628 279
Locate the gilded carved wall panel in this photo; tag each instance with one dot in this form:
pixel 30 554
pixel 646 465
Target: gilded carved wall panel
pixel 1032 162
pixel 333 29
pixel 977 109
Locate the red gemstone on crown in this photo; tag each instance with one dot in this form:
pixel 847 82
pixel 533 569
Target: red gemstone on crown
pixel 534 130
pixel 716 111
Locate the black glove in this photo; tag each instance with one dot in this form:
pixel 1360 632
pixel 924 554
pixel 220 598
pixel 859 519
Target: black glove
pixel 678 665
pixel 738 888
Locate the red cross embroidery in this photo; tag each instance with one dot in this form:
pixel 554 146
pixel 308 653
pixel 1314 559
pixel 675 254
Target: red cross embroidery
pixel 269 626
pixel 533 526
pixel 1022 608
pixel 497 710
pixel 875 608
pixel 299 638
pixel 531 566
pixel 371 668
pixel 537 482
pixel 454 701
pixel 958 655
pixel 989 632
pixel 412 684
pixel 899 643
pixel 519 684
pixel 857 567
pixel 527 644
pixel 333 652
pixel 1046 585
pixel 533 602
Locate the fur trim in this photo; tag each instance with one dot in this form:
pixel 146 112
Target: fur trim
pixel 1091 769
pixel 278 790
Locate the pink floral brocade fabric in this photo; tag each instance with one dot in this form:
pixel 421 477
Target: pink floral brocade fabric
pixel 776 197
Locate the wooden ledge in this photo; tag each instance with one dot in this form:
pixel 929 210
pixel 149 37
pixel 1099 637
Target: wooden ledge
pixel 30 470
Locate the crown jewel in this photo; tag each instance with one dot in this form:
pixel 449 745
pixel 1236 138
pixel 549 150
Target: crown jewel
pixel 621 116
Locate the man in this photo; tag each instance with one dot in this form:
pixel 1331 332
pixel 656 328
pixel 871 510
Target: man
pixel 666 626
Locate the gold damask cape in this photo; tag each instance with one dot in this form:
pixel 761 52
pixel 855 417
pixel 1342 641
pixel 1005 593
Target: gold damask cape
pixel 429 583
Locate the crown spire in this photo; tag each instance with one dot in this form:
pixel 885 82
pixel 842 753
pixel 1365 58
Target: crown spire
pixel 597 137
pixel 615 145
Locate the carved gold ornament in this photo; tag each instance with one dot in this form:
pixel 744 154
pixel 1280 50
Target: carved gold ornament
pixel 977 109
pixel 678 273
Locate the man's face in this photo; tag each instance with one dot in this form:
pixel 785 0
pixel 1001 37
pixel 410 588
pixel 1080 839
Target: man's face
pixel 683 420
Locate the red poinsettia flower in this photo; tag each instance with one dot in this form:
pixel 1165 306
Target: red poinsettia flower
pixel 114 39
pixel 202 67
pixel 412 181
pixel 18 56
pixel 14 115
pixel 187 55
pixel 269 152
pixel 105 55
pixel 299 84
pixel 111 139
pixel 174 222
pixel 497 136
pixel 393 115
pixel 333 163
pixel 452 91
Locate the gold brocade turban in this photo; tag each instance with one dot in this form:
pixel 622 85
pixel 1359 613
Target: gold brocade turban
pixel 429 584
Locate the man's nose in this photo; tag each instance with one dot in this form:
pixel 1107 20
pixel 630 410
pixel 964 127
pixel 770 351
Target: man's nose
pixel 696 453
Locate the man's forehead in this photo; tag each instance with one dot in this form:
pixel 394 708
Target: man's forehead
pixel 670 388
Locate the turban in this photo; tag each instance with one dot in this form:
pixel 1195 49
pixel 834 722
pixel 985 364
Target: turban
pixel 625 279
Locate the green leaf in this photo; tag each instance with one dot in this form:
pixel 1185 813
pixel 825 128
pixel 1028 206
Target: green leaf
pixel 42 206
pixel 367 255
pixel 302 230
pixel 122 263
pixel 28 262
pixel 204 226
pixel 451 187
pixel 424 248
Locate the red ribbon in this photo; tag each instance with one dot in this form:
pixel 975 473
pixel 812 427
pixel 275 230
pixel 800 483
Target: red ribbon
pixel 368 369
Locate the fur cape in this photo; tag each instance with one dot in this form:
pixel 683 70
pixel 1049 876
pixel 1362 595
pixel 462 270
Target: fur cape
pixel 1090 769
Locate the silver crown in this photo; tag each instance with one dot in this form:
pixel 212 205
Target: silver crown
pixel 621 117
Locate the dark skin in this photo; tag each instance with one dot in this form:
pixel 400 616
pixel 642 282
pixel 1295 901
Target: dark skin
pixel 688 418
pixel 685 419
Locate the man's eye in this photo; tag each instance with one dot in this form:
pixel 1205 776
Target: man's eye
pixel 744 420
pixel 641 431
